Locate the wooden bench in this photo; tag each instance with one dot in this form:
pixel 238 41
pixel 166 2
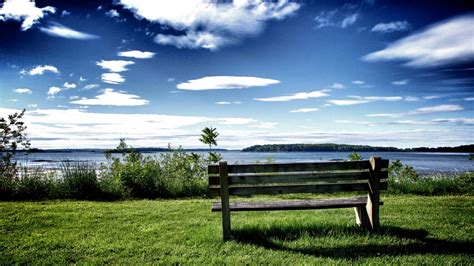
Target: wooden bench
pixel 322 177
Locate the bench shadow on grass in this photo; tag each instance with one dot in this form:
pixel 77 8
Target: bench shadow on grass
pixel 405 241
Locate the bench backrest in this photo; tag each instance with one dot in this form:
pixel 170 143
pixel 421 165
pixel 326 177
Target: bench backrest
pixel 284 178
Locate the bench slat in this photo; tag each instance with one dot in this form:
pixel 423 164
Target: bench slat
pixel 249 190
pixel 296 167
pixel 297 177
pixel 294 204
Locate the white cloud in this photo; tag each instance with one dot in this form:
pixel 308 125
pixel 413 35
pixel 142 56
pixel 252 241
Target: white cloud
pixel 171 79
pixel 465 121
pixel 194 40
pixel 400 82
pixel 381 98
pixel 115 65
pixel 136 54
pixel 235 121
pixel 347 102
pixel 391 115
pixel 82 79
pixel 332 19
pixel 53 90
pixel 437 109
pixel 39 70
pixel 32 105
pixel 337 86
pixel 23 91
pixel 358 82
pixel 58 30
pixel 469 99
pixel 225 82
pixel 25 11
pixel 265 125
pixel 13 100
pixel 349 20
pixel 443 108
pixel 65 13
pixel 440 44
pixel 75 97
pixel 364 99
pixel 391 27
pixel 223 103
pixel 112 78
pixel 432 97
pixel 91 86
pixel 209 24
pixel 68 85
pixel 112 13
pixel 412 99
pixel 296 96
pixel 111 97
pixel 93 129
pixel 304 110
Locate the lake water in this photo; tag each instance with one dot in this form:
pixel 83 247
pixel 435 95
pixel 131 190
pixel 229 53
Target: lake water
pixel 420 161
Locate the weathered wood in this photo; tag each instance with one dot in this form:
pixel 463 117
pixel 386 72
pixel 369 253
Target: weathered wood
pixel 362 217
pixel 297 177
pixel 296 167
pixel 246 190
pixel 288 189
pixel 374 193
pixel 293 204
pixel 225 201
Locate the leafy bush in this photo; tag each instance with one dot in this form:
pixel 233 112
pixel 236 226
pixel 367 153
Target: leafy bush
pixel 183 174
pixel 175 174
pixel 355 156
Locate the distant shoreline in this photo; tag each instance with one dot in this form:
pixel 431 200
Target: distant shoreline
pixel 327 147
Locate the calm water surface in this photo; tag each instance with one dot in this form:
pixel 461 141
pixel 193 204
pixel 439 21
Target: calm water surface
pixel 422 162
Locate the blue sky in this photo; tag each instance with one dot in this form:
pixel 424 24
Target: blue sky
pixel 388 73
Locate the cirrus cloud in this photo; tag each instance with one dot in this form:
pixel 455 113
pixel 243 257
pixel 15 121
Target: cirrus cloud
pixel 440 44
pixel 58 30
pixel 225 83
pixel 113 98
pixel 296 96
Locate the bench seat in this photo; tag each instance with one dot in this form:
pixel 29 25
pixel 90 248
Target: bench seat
pixel 294 204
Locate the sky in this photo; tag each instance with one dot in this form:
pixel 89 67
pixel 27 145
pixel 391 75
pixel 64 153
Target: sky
pixel 382 73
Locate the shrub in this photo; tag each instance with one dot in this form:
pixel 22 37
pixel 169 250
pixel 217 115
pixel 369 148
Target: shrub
pixel 183 174
pixel 354 156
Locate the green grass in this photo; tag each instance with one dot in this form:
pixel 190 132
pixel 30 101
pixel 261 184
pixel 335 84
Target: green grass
pixel 415 229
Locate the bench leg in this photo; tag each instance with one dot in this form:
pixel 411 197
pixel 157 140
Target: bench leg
pixel 362 217
pixel 224 181
pixel 226 225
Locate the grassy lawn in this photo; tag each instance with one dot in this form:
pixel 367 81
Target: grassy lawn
pixel 415 229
